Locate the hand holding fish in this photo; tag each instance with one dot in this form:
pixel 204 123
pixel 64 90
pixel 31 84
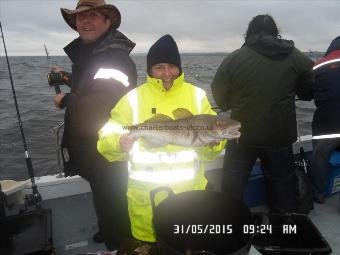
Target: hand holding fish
pixel 126 142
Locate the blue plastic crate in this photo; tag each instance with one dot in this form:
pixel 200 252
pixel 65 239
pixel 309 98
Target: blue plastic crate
pixel 255 193
pixel 334 161
pixel 333 183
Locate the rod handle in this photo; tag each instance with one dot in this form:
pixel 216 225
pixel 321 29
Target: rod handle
pixel 57 89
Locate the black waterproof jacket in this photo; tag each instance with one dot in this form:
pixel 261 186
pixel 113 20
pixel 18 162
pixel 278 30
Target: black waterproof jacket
pixel 326 119
pixel 258 82
pixel 90 100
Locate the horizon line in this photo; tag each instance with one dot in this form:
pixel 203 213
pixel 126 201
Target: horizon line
pixel 145 53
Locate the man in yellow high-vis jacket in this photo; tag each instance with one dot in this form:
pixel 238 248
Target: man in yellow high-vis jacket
pixel 164 91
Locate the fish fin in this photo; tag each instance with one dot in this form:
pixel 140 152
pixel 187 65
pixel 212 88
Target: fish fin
pixel 158 118
pixel 181 113
pixel 153 143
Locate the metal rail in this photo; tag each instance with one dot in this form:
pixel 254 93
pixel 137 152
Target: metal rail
pixel 55 130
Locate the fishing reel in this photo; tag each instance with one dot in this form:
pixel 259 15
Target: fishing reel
pixel 58 78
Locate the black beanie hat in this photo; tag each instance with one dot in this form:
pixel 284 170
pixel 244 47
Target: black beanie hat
pixel 165 50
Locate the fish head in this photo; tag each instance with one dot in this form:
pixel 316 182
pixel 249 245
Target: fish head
pixel 225 128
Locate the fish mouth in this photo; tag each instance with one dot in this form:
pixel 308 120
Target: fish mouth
pixel 233 134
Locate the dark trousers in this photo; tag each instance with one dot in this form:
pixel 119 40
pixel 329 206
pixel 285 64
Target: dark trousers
pixel 109 186
pixel 322 149
pixel 278 170
pixel 108 183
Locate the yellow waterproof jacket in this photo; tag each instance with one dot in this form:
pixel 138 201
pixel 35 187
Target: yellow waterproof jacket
pixel 151 98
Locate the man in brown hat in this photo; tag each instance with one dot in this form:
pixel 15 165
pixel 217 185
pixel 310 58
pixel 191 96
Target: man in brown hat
pixel 102 72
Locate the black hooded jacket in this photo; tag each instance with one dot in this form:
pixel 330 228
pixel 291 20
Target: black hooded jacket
pixel 89 103
pixel 258 82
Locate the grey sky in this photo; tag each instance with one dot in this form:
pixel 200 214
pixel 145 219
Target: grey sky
pixel 197 26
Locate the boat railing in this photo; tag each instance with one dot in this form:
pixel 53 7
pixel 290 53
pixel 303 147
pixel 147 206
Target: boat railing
pixel 55 131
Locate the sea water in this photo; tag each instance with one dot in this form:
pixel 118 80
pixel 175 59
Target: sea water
pixel 39 115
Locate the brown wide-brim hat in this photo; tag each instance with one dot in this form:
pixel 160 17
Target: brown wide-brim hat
pixel 101 6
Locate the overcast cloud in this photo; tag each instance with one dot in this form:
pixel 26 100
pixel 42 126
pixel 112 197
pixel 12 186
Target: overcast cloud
pixel 197 26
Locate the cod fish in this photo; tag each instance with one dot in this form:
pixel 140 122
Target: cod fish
pixel 186 129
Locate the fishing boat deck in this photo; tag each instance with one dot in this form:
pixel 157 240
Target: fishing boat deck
pixel 74 219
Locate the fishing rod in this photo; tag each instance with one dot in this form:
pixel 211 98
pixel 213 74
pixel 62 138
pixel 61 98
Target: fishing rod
pixel 55 130
pixel 303 160
pixel 47 55
pixel 54 78
pixel 36 198
pixel 302 151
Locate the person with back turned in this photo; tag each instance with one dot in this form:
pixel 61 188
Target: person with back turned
pixel 326 119
pixel 258 82
pixel 102 72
